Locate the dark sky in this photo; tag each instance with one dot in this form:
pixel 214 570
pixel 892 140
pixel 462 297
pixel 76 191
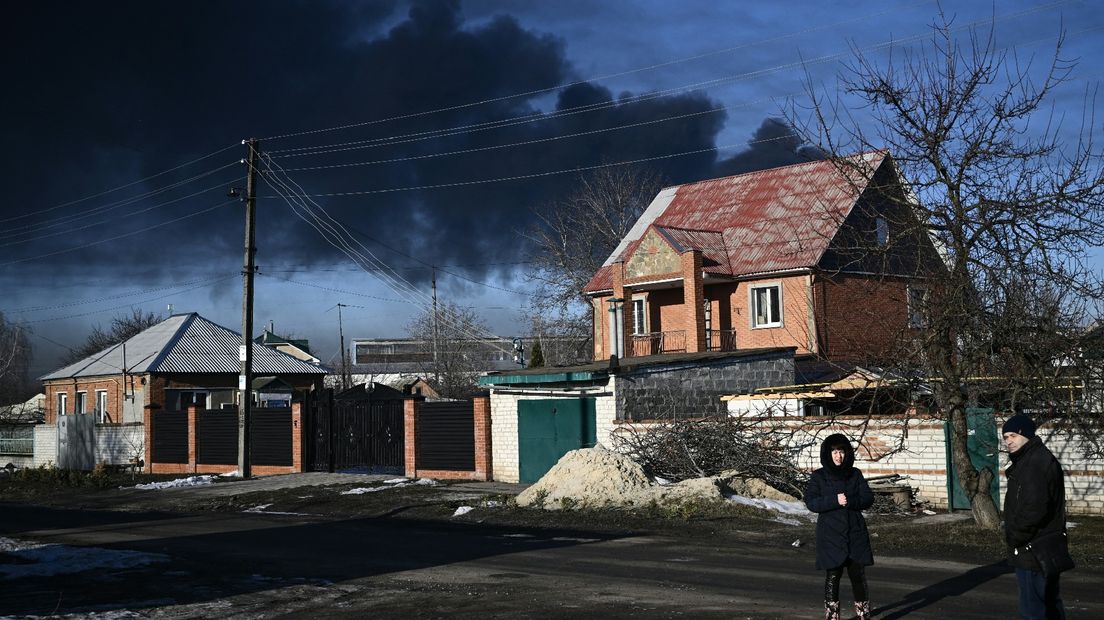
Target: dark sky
pixel 127 96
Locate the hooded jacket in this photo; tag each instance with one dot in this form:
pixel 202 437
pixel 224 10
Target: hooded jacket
pixel 1035 501
pixel 841 532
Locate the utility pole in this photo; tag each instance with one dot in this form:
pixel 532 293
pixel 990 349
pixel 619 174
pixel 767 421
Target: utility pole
pixel 245 380
pixel 344 355
pixel 436 366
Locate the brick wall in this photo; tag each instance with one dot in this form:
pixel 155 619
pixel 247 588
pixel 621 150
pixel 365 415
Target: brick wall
pixel 860 318
pixel 917 450
pixel 112 385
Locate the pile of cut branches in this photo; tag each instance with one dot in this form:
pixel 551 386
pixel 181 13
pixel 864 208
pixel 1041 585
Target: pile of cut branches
pixel 685 448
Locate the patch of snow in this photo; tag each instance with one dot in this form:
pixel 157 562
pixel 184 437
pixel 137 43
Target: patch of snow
pixel 190 481
pixel 462 510
pixel 517 535
pixel 258 508
pixel 46 560
pixel 929 512
pixel 229 474
pixel 661 481
pixel 786 521
pixel 774 505
pixel 796 543
pixel 1070 525
pixel 396 483
pixel 492 503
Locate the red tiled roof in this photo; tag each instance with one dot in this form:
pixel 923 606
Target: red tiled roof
pixel 770 220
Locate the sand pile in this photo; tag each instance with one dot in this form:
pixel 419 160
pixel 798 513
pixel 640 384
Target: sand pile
pixel 598 478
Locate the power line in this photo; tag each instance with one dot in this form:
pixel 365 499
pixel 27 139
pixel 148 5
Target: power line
pixel 541 116
pixel 115 189
pixel 116 237
pixel 607 76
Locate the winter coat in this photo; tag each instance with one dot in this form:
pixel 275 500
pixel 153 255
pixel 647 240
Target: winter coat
pixel 1035 501
pixel 841 532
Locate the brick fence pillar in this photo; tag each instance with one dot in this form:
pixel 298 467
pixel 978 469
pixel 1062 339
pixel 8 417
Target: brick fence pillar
pixel 410 436
pixel 147 427
pixel 481 410
pixel 297 437
pixel 193 432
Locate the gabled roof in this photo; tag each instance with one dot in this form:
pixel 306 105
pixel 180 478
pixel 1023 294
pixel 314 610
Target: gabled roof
pixel 759 222
pixel 183 343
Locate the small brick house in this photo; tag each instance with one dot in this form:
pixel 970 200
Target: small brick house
pixel 822 256
pixel 186 361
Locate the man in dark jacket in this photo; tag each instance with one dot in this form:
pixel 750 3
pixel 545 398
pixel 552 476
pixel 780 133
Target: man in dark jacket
pixel 1034 507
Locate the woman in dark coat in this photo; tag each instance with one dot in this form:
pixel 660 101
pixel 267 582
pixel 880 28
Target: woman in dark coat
pixel 838 493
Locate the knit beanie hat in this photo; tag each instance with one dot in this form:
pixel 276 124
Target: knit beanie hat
pixel 1019 424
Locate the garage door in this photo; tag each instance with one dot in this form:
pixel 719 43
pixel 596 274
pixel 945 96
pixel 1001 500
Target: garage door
pixel 548 429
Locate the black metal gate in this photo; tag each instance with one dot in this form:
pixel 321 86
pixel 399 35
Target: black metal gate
pixel 348 434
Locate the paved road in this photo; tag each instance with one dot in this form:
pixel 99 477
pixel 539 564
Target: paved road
pixel 262 565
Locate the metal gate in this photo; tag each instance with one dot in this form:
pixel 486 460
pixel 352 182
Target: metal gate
pixel 76 439
pixel 549 429
pixel 356 434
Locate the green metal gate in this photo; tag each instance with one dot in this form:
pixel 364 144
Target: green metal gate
pixel 549 429
pixel 984 445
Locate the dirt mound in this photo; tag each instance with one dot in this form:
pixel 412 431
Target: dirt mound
pixel 597 477
pixel 593 477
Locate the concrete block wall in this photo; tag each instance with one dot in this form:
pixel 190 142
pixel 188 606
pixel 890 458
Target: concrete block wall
pixel 119 444
pixel 675 391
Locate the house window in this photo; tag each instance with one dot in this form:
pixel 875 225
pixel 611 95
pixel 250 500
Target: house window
pixel 180 400
pixel 81 404
pixel 917 303
pixel 640 324
pixel 766 306
pixel 62 403
pixel 101 406
pixel 881 231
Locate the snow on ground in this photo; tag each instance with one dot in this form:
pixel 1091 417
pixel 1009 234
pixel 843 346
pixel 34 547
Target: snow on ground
pixel 190 481
pixel 462 510
pixel 394 483
pixel 773 505
pixel 35 559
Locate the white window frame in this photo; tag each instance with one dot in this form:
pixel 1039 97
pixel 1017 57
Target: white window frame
pixel 62 402
pixel 772 321
pixel 915 315
pixel 81 403
pixel 640 315
pixel 881 231
pixel 101 406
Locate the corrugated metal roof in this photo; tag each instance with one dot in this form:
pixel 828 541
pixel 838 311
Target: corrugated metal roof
pixel 184 343
pixel 771 220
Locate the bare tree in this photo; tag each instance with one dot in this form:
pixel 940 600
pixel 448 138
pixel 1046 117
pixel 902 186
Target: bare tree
pixel 1012 204
pixel 15 355
pixel 571 239
pixel 122 328
pixel 455 353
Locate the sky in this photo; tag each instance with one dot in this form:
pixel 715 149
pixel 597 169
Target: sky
pixel 429 131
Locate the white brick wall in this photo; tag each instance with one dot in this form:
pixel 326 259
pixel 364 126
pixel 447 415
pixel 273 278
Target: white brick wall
pixel 45 445
pixel 504 427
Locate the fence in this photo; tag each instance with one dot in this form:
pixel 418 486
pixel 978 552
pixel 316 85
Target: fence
pixel 449 440
pixel 355 434
pixel 206 441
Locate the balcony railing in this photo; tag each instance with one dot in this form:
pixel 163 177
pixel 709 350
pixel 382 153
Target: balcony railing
pixel 659 342
pixel 720 339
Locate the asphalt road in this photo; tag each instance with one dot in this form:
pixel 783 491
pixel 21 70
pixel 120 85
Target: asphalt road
pixel 242 565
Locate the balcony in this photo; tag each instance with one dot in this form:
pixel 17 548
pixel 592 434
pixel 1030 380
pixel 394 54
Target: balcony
pixel 720 339
pixel 658 342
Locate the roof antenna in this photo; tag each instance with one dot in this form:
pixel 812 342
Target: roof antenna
pixel 170 309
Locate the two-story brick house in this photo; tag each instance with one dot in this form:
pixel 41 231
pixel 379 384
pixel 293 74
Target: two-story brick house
pixel 826 256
